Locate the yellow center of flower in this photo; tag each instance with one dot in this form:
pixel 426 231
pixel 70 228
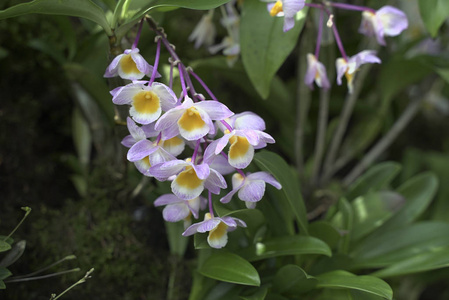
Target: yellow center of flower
pixel 277 8
pixel 191 120
pixel 239 146
pixel 218 232
pixel 349 76
pixel 146 102
pixel 188 179
pixel 173 142
pixel 146 161
pixel 128 65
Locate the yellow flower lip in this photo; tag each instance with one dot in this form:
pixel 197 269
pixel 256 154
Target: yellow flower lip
pixel 191 120
pixel 277 8
pixel 146 102
pixel 128 65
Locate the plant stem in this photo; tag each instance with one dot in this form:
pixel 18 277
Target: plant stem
pixel 43 276
pixel 27 212
pixel 343 123
pixel 321 135
pixel 408 114
pixel 303 96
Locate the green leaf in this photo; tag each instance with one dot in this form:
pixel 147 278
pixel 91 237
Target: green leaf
pixel 433 13
pixel 347 221
pixel 253 218
pixel 376 178
pixel 326 232
pixel 344 294
pixel 4 246
pixel 259 295
pixel 13 255
pixel 418 192
pixel 274 164
pixel 138 9
pixel 4 273
pixel 80 8
pixel 388 247
pixel 287 245
pixel 177 242
pixel 292 280
pixel 229 267
pixel 373 210
pixel 342 279
pixel 264 46
pixel 2 285
pixel 433 259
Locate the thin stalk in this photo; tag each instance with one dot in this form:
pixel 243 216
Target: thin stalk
pixel 321 134
pixel 303 96
pixel 400 124
pixel 27 212
pixel 156 62
pixel 43 276
pixel 69 257
pixel 203 85
pixel 82 280
pixel 136 40
pixel 343 122
pixel 351 7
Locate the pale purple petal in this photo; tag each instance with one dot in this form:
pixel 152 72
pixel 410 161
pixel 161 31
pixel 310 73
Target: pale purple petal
pixel 141 63
pixel 252 191
pixel 215 182
pixel 394 20
pixel 341 65
pixel 289 23
pixel 111 70
pixel 248 120
pixel 311 70
pixel 128 141
pixel 222 142
pixel 215 109
pixel 136 131
pixel 221 165
pixel 202 171
pixel 168 119
pixel 175 212
pixel 166 96
pixel 140 150
pixel 160 156
pixel 265 176
pixel 208 225
pixel 168 169
pixel 292 7
pixel 192 229
pixel 229 221
pixel 167 199
pixel 125 95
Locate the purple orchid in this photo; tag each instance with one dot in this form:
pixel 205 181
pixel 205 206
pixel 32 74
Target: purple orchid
pixel 177 209
pixel 129 65
pixel 287 9
pixel 387 21
pixel 189 179
pixel 147 102
pixel 217 227
pixel 316 72
pixel 350 66
pixel 250 188
pixel 192 120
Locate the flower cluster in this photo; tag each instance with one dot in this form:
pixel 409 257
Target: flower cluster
pixel 387 21
pixel 215 142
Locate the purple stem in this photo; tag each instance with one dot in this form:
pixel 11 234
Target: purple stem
pixel 191 87
pixel 195 152
pixel 136 40
pixel 338 40
pixel 320 6
pixel 203 85
pixel 211 210
pixel 320 33
pixel 228 127
pixel 156 62
pixel 170 84
pixel 181 78
pixel 351 7
pixel 159 137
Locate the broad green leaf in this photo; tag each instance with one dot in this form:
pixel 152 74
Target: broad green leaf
pixel 95 86
pixel 80 8
pixel 138 9
pixel 2 285
pixel 336 262
pixel 264 46
pixel 177 243
pixel 398 73
pixel 373 210
pixel 287 245
pixel 347 216
pixel 343 279
pixel 274 164
pixel 13 255
pixel 4 246
pixel 434 13
pixel 229 267
pixel 344 294
pixel 259 295
pixel 253 218
pixel 418 193
pixel 388 247
pixel 326 232
pixel 375 179
pixel 433 259
pixel 4 273
pixel 292 280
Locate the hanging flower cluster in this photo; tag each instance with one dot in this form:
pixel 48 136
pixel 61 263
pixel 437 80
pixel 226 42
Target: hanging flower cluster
pixel 387 21
pixel 162 125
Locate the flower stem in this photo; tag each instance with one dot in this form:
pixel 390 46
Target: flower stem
pixel 320 33
pixel 351 7
pixel 203 85
pixel 400 124
pixel 139 30
pixel 211 209
pixel 156 62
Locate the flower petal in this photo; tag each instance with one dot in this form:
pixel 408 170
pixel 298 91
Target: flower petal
pixel 252 191
pixel 140 150
pixel 175 212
